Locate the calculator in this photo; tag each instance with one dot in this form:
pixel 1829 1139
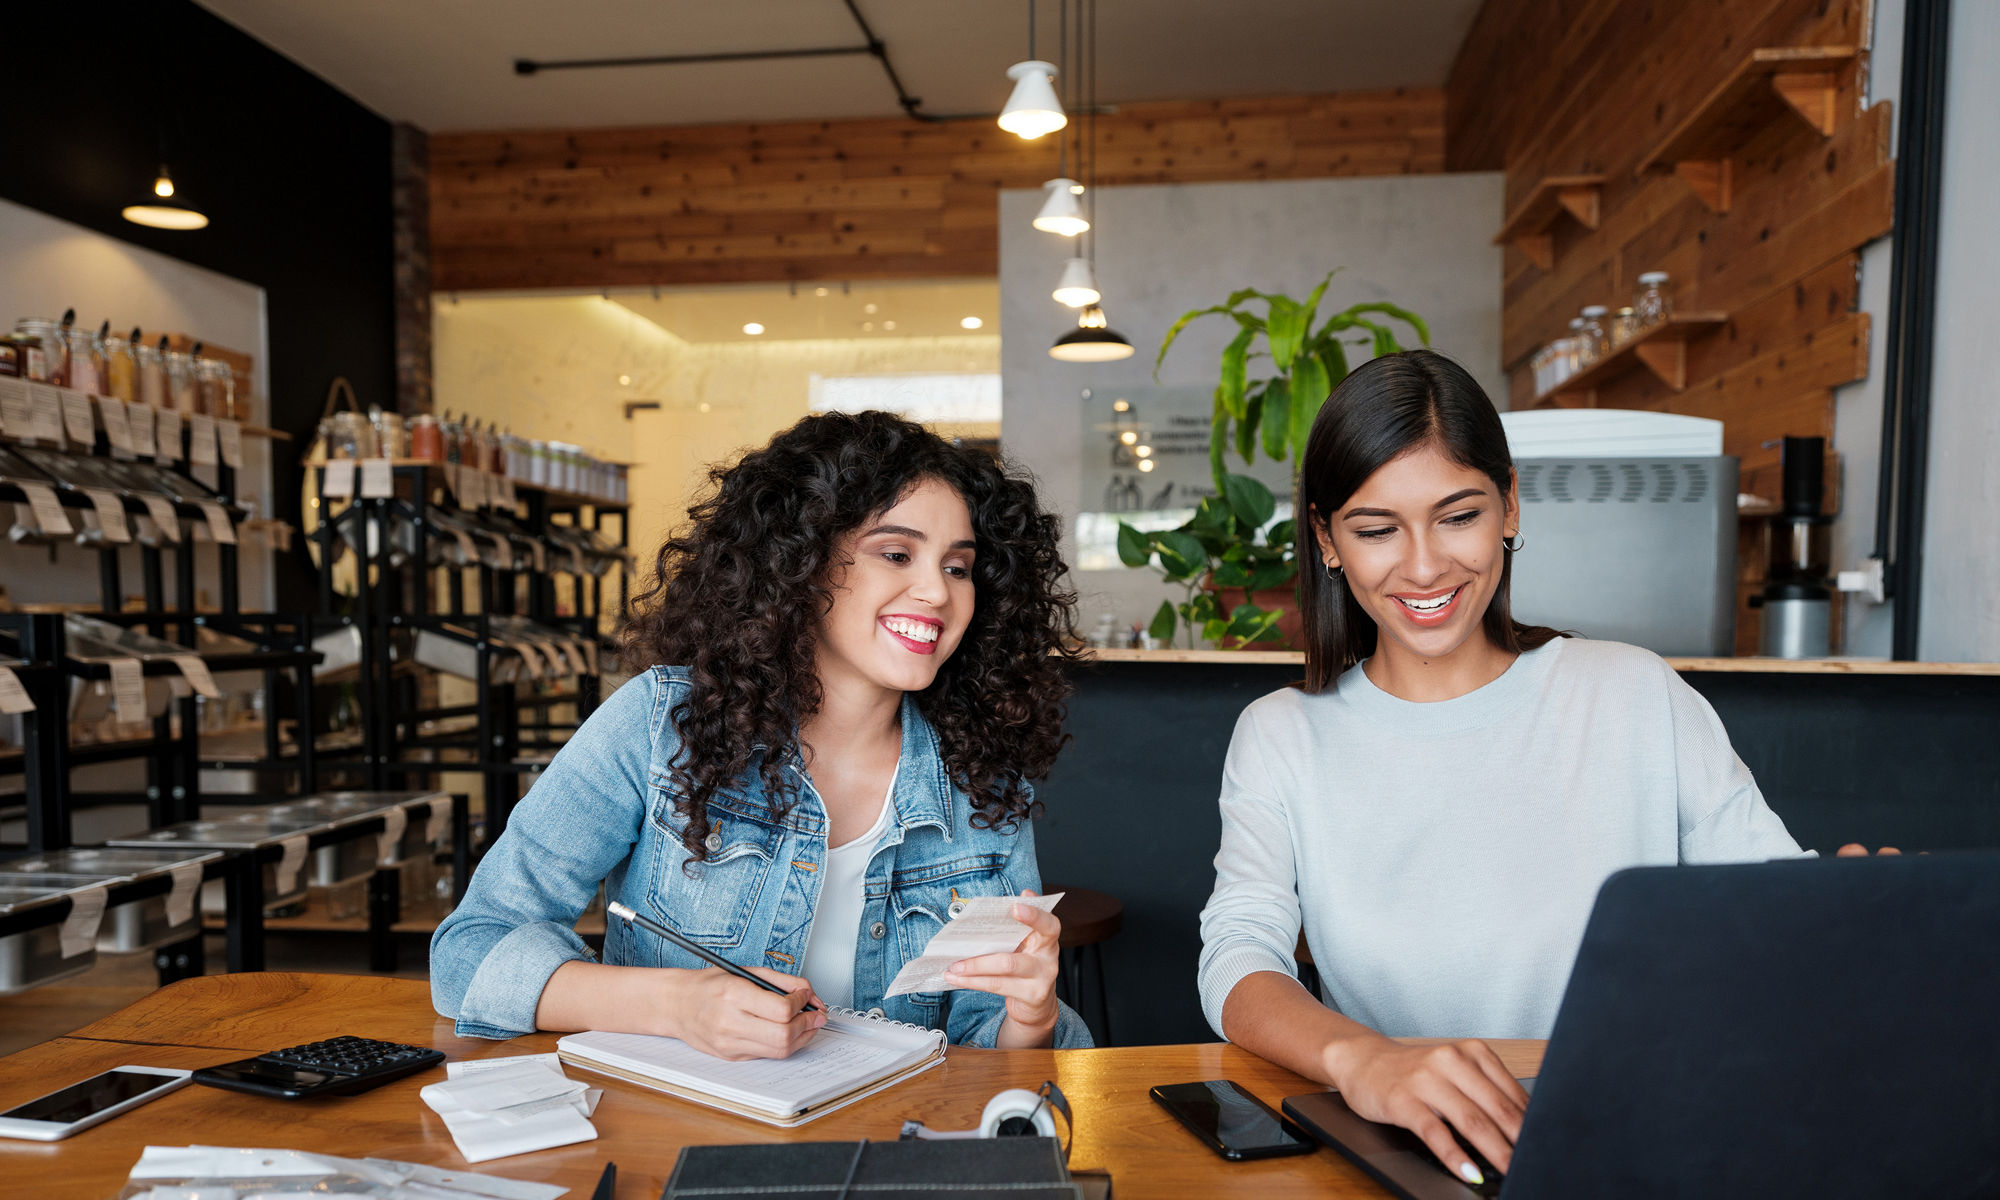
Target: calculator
pixel 338 1066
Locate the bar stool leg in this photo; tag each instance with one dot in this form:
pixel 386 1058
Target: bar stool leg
pixel 1102 1033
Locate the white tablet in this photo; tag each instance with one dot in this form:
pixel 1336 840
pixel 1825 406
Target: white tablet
pixel 81 1105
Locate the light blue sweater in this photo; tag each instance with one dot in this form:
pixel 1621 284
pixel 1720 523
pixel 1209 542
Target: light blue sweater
pixel 1444 856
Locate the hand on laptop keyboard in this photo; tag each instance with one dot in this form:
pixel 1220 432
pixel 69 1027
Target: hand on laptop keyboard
pixel 1436 1090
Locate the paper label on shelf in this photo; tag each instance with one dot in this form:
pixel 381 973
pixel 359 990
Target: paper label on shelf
pixel 465 546
pixel 48 510
pixel 86 913
pixel 505 486
pixel 537 665
pixel 339 481
pixel 440 822
pixel 378 481
pixel 17 409
pixel 583 663
pixel 79 418
pixel 162 511
pixel 575 560
pixel 229 438
pixel 541 553
pixel 128 690
pixel 117 430
pixel 13 697
pixel 110 514
pixel 501 549
pixel 180 900
pixel 201 440
pixel 196 673
pixel 472 487
pixel 47 423
pixel 590 651
pixel 394 822
pixel 140 418
pixel 219 529
pixel 289 862
pixel 167 439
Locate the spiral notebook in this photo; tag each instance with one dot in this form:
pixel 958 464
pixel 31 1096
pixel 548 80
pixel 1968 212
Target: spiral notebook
pixel 853 1055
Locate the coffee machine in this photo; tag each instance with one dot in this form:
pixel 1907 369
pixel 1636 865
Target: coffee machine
pixel 1797 600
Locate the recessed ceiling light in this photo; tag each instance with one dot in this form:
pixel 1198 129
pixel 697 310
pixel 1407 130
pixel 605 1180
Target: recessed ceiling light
pixel 624 381
pixel 868 327
pixel 753 329
pixel 1121 406
pixel 869 308
pixel 704 406
pixel 819 291
pixel 1128 437
pixel 1143 451
pixel 970 322
pixel 1145 464
pixel 889 325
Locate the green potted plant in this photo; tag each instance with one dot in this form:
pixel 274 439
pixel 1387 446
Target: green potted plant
pixel 1217 551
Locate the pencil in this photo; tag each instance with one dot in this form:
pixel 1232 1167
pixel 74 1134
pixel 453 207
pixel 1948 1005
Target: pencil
pixel 702 952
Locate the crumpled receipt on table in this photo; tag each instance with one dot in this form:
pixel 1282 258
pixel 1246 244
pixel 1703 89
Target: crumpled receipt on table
pixel 246 1173
pixel 984 926
pixel 497 1107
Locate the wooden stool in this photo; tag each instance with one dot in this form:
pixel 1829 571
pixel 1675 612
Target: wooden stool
pixel 1088 919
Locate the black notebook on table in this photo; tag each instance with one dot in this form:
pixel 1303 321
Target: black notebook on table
pixel 1014 1168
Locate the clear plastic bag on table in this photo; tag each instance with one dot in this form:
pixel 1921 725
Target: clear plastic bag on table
pixel 247 1173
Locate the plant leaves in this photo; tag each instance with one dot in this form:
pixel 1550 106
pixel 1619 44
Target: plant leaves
pixel 1218 441
pixel 1212 629
pixel 1163 622
pixel 1285 328
pixel 1333 356
pixel 1232 575
pixel 1283 534
pixel 1312 301
pixel 1309 391
pixel 1277 419
pixel 1270 575
pixel 1250 500
pixel 1175 331
pixel 1400 313
pixel 1246 429
pixel 1201 608
pixel 1248 623
pixel 1135 549
pixel 1180 554
pixel 1230 390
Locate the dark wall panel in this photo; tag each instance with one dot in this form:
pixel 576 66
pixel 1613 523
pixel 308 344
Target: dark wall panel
pixel 293 175
pixel 1907 761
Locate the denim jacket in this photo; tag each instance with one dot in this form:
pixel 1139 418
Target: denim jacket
pixel 603 810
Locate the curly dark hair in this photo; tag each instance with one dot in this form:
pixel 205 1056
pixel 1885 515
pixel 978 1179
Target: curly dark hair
pixel 738 598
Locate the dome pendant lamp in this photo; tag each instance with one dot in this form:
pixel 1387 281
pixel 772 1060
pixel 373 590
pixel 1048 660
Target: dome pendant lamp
pixel 1060 212
pixel 1078 286
pixel 1091 340
pixel 164 216
pixel 1032 110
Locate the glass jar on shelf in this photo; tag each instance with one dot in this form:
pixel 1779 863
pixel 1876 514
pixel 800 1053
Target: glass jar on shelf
pixel 348 435
pixel 183 386
pixel 389 438
pixel 152 365
pixel 1650 304
pixel 216 386
pixel 42 351
pixel 426 438
pixel 1591 330
pixel 1624 326
pixel 121 368
pixel 85 352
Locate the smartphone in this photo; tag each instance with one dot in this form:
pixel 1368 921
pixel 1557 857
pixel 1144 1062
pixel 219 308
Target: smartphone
pixel 81 1105
pixel 1234 1123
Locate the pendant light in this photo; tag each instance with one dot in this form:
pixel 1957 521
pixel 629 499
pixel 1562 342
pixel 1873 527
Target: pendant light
pixel 164 216
pixel 1032 110
pixel 1091 341
pixel 1078 285
pixel 1060 213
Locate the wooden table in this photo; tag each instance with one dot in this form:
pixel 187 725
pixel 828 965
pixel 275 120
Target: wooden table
pixel 217 1018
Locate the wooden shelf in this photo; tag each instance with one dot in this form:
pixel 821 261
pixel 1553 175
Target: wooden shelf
pixel 1744 665
pixel 1527 227
pixel 266 432
pixel 1661 350
pixel 1803 79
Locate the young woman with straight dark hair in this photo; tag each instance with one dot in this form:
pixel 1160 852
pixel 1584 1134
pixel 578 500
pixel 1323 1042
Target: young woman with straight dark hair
pixel 1440 801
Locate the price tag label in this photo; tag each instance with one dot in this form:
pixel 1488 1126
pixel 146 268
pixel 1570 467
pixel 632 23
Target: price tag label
pixel 110 514
pixel 394 822
pixel 474 482
pixel 201 440
pixel 468 553
pixel 48 510
pixel 128 689
pixel 86 913
pixel 378 481
pixel 13 697
pixel 79 419
pixel 541 554
pixel 47 423
pixel 167 436
pixel 117 430
pixel 219 528
pixel 187 885
pixel 503 556
pixel 229 437
pixel 537 665
pixel 140 418
pixel 17 408
pixel 590 652
pixel 440 821
pixel 575 560
pixel 290 859
pixel 338 483
pixel 196 673
pixel 162 511
pixel 506 484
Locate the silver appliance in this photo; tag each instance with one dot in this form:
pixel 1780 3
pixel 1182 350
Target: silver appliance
pixel 1630 549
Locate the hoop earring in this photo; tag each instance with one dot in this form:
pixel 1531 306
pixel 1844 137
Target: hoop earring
pixel 1514 543
pixel 1332 572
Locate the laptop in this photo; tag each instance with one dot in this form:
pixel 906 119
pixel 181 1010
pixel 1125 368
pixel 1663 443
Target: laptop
pixel 1825 1029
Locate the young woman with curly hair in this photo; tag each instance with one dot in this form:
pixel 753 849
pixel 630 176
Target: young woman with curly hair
pixel 852 669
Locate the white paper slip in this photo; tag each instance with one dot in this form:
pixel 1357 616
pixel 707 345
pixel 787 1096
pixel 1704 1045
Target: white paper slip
pixel 86 912
pixel 496 1108
pixel 140 418
pixel 213 1173
pixel 291 858
pixel 482 1137
pixel 47 509
pixel 219 528
pixel 984 926
pixel 394 822
pixel 229 438
pixel 506 488
pixel 440 822
pixel 540 554
pixel 338 480
pixel 128 689
pixel 79 419
pixel 186 886
pixel 47 425
pixel 13 697
pixel 110 514
pixel 378 481
pixel 529 655
pixel 17 408
pixel 201 440
pixel 161 510
pixel 196 673
pixel 476 1066
pixel 167 439
pixel 117 429
pixel 467 551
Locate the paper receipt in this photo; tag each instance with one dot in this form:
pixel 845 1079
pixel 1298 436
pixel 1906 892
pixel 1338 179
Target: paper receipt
pixel 983 926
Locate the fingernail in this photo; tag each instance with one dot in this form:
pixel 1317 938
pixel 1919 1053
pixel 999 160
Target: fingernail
pixel 1471 1174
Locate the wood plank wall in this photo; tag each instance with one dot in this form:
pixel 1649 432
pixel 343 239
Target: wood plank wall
pixel 1558 87
pixel 852 199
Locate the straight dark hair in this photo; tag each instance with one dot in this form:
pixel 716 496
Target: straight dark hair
pixel 1385 409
